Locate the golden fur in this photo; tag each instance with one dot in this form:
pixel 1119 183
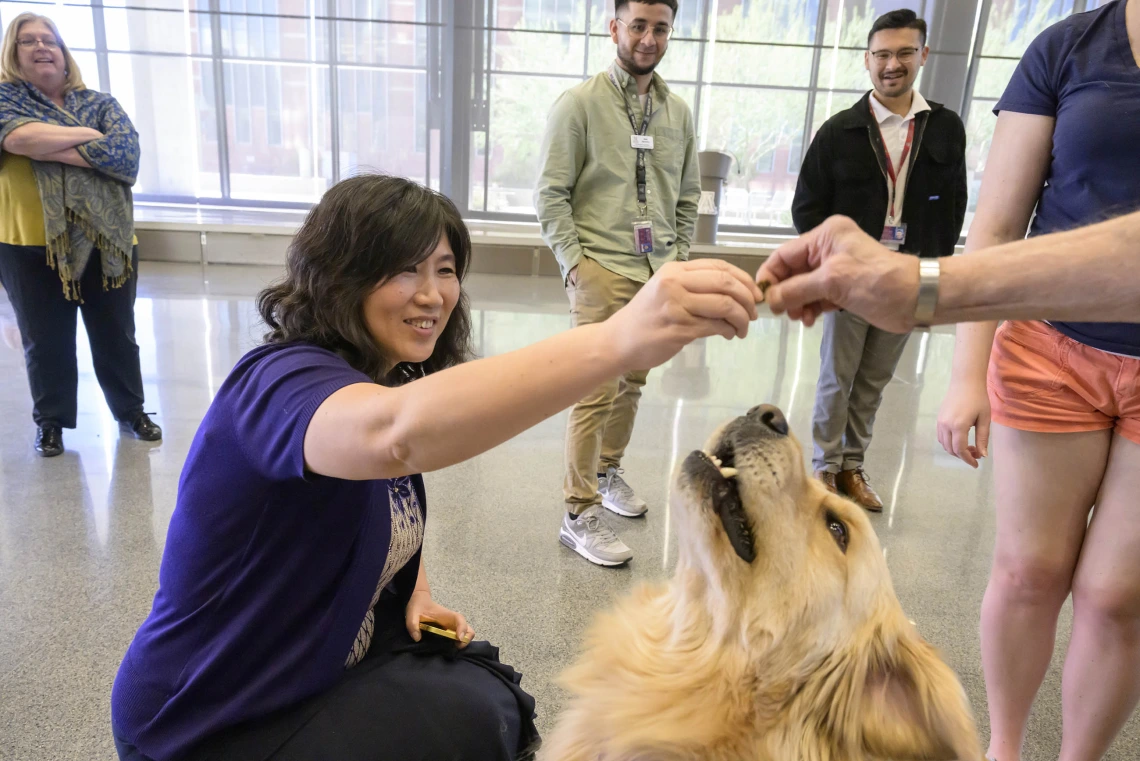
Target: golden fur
pixel 804 654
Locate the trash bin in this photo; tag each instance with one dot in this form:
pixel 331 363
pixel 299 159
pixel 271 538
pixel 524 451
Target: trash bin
pixel 715 166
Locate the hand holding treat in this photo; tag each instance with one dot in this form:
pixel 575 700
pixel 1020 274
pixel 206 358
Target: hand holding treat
pixel 838 266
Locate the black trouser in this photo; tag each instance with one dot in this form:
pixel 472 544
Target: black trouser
pixel 405 701
pixel 47 326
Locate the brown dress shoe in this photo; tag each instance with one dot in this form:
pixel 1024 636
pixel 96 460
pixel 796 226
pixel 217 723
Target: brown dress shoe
pixel 856 485
pixel 828 479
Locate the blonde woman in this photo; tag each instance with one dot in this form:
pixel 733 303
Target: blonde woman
pixel 70 156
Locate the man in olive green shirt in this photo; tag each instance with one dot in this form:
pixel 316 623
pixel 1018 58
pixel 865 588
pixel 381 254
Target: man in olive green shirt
pixel 617 199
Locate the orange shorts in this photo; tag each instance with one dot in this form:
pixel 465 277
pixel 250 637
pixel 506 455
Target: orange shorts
pixel 1042 380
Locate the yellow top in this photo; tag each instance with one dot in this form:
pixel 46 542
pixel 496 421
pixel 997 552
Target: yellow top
pixel 21 211
pixel 22 218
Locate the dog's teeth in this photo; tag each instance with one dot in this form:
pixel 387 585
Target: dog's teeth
pixel 728 472
pixel 715 460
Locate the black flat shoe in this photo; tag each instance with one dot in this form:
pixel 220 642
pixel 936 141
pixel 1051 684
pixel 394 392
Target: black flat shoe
pixel 49 440
pixel 142 427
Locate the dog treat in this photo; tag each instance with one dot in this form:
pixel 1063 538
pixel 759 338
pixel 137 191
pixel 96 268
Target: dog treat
pixel 764 286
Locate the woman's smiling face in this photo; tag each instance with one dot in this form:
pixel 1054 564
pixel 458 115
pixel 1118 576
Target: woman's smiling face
pixel 407 313
pixel 41 62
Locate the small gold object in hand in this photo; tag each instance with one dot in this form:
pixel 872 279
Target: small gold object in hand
pixel 764 286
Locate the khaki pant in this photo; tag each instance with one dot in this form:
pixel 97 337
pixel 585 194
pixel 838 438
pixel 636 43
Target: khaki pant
pixel 856 362
pixel 601 424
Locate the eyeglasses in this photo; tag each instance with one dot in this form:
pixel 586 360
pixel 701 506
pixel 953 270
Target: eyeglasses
pixel 906 55
pixel 31 42
pixel 639 29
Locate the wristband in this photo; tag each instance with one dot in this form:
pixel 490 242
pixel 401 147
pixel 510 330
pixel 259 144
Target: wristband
pixel 928 272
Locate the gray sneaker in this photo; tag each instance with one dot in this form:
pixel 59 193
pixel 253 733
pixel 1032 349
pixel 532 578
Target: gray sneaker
pixel 590 537
pixel 618 496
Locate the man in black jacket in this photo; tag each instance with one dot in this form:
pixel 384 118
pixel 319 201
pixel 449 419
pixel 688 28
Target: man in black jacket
pixel 896 164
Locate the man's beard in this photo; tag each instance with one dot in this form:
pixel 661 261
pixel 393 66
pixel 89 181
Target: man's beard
pixel 631 66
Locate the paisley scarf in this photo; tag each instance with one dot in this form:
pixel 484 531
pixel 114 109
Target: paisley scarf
pixel 84 209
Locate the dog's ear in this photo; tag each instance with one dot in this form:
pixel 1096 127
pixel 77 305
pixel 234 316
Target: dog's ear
pixel 914 707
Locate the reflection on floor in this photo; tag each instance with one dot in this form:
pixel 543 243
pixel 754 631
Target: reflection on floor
pixel 81 535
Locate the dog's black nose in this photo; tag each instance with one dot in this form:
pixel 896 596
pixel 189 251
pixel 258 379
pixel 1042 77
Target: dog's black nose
pixel 770 416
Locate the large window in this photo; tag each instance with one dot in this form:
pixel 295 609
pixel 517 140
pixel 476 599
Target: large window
pixel 756 73
pixel 261 101
pixel 1005 33
pixel 270 101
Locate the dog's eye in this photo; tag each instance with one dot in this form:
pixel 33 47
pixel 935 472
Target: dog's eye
pixel 838 531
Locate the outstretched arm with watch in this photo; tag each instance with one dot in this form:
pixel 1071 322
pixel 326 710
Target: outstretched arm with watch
pixel 1088 274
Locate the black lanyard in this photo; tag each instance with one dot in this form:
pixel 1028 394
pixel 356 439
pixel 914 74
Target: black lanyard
pixel 641 195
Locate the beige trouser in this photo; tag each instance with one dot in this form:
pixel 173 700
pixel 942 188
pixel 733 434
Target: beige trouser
pixel 856 362
pixel 600 425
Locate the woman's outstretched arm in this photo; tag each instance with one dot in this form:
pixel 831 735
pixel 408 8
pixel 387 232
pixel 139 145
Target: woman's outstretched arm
pixel 367 431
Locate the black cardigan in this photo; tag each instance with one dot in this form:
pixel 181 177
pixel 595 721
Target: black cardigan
pixel 845 172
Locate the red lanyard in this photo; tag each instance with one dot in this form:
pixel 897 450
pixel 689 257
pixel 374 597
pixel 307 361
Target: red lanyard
pixel 902 159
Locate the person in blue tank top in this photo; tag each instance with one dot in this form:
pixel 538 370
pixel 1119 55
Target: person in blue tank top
pixel 292 586
pixel 1062 399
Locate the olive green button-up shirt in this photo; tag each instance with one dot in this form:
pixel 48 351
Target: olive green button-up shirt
pixel 586 195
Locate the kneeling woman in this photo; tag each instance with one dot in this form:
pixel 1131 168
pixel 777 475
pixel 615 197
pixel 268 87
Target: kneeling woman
pixel 285 625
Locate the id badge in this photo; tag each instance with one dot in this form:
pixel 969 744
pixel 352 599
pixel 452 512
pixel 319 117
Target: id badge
pixel 643 237
pixel 893 236
pixel 644 142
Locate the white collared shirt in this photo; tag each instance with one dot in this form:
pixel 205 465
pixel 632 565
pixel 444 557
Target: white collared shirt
pixel 894 129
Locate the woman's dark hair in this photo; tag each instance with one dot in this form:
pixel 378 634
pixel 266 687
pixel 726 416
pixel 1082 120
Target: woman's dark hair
pixel 364 231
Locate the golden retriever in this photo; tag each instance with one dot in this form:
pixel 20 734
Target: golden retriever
pixel 779 638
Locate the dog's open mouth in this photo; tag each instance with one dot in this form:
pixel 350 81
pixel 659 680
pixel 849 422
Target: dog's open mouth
pixel 719 472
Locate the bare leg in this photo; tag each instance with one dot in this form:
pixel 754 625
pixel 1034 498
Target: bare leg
pixel 1046 483
pixel 1102 668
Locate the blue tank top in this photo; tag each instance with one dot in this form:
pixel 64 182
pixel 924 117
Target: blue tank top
pixel 1082 72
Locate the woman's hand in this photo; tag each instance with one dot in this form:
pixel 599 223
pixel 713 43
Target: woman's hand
pixel 966 406
pixel 1019 159
pixel 422 608
pixel 684 301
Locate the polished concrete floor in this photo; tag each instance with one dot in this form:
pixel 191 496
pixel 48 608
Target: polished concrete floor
pixel 81 535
